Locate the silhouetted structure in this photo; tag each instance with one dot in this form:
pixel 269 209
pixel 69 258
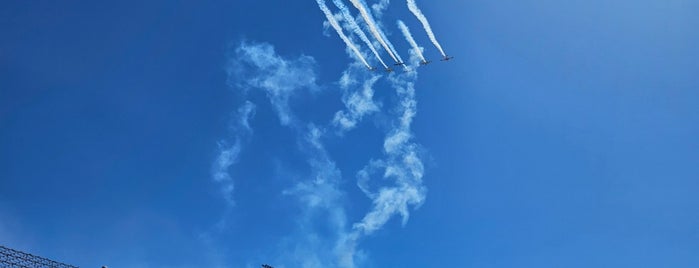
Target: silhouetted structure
pixel 266 266
pixel 10 258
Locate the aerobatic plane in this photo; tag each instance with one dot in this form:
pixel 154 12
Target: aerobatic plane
pixel 371 68
pixel 399 63
pixel 447 58
pixel 389 70
pixel 425 62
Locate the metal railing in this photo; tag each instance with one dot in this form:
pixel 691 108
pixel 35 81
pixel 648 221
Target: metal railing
pixel 10 258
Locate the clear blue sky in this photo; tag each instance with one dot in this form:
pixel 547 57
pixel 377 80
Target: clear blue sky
pixel 563 134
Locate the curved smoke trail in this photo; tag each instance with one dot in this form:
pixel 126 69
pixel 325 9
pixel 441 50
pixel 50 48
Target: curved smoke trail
pixel 357 30
pixel 418 13
pixel 411 40
pixel 338 29
pixel 394 181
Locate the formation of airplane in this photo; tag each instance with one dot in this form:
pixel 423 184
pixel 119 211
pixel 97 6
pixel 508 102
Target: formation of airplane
pixel 388 70
pixel 423 63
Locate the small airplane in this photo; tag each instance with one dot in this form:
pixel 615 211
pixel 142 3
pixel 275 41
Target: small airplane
pixel 399 63
pixel 371 68
pixel 425 62
pixel 389 70
pixel 447 58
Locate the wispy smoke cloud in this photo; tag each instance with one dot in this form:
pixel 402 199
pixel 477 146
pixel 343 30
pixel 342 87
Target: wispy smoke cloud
pixel 258 66
pixel 319 195
pixel 393 182
pixel 321 199
pixel 380 7
pixel 401 171
pixel 229 153
pixel 425 24
pixel 358 100
pixel 409 37
pixel 333 22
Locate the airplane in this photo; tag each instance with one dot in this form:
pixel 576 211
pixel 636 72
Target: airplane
pixel 425 62
pixel 371 68
pixel 447 58
pixel 389 70
pixel 399 63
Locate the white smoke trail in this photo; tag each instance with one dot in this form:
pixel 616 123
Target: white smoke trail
pixel 259 67
pixel 418 13
pixel 411 40
pixel 319 195
pixel 338 29
pixel 357 30
pixel 282 79
pixel 399 184
pixel 373 28
pixel 229 153
pixel 390 45
pixel 392 182
pixel 358 101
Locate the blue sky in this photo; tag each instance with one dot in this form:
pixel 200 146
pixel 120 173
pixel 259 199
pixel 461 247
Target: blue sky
pixel 209 134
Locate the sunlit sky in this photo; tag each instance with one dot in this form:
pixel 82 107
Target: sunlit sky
pixel 237 133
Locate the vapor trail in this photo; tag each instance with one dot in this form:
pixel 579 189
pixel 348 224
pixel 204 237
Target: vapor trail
pixel 338 29
pixel 373 28
pixel 411 40
pixel 393 182
pixel 418 13
pixel 357 30
pixel 390 45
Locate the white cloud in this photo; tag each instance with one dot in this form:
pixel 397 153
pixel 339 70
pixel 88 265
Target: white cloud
pixel 257 66
pixel 324 237
pixel 228 154
pixel 322 201
pixel 358 101
pixel 401 184
pixel 245 113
